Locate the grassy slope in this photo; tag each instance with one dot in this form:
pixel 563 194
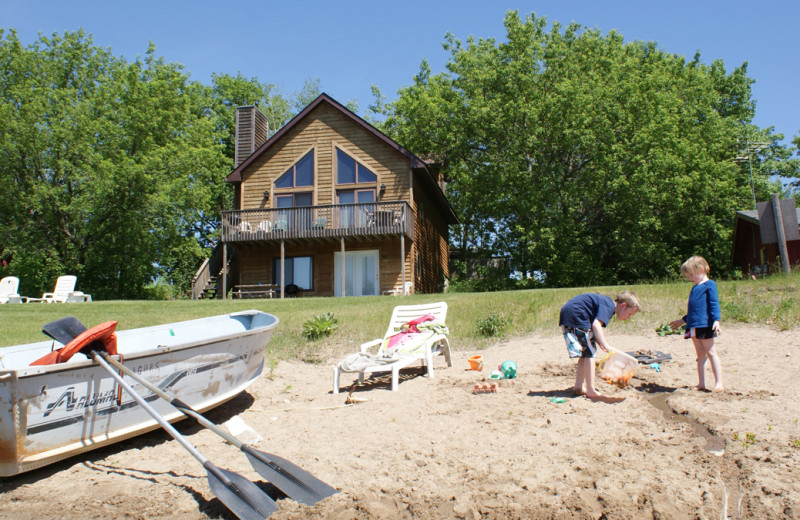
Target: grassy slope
pixel 772 301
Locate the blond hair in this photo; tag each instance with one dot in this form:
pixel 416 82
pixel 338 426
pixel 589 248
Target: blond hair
pixel 696 265
pixel 629 298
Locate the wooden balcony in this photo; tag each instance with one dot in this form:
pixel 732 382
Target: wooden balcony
pixel 374 220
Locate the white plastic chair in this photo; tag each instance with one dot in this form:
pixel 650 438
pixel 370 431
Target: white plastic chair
pixel 402 314
pixel 8 289
pixel 406 289
pixel 65 285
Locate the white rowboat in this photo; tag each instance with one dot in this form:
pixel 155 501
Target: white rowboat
pixel 51 412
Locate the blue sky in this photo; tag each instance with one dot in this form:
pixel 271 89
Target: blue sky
pixel 350 44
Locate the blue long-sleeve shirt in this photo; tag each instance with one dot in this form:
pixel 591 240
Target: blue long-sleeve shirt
pixel 703 308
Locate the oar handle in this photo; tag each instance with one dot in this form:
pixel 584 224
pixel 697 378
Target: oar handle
pixel 155 415
pixel 174 401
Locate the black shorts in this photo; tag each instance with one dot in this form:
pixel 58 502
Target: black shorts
pixel 701 333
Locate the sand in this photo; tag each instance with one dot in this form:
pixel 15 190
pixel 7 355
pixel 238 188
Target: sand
pixel 435 450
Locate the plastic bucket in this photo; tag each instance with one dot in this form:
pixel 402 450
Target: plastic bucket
pixel 509 369
pixel 476 363
pixel 617 368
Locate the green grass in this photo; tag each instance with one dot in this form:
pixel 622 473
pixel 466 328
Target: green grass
pixel 773 301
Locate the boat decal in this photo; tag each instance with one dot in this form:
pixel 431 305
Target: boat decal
pixel 76 405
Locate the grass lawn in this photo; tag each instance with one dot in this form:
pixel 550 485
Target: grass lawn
pixel 772 301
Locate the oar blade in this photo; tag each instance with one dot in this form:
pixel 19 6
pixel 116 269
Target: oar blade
pixel 297 483
pixel 242 497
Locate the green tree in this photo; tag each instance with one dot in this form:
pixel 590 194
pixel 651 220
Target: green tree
pixel 580 158
pixel 106 166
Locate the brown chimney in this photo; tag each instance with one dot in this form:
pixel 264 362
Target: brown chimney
pixel 252 130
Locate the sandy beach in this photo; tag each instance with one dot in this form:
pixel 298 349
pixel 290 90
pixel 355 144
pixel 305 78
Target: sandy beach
pixel 435 450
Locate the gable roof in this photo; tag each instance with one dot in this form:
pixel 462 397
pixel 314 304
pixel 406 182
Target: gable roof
pixel 417 165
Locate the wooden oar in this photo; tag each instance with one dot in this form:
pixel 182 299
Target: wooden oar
pixel 297 483
pixel 242 497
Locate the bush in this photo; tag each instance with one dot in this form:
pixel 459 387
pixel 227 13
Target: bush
pixel 320 326
pixel 493 325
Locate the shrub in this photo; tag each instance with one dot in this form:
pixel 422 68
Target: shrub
pixel 493 325
pixel 320 326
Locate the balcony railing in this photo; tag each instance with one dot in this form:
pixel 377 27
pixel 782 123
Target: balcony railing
pixel 318 222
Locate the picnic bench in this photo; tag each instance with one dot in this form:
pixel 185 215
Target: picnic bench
pixel 265 290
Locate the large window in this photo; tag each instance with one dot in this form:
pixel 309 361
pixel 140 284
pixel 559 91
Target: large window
pixel 298 270
pixel 300 174
pixel 355 184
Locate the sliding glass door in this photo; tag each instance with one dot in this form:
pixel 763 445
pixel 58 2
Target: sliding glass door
pixel 360 273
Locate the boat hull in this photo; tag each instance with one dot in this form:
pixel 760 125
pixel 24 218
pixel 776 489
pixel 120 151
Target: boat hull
pixel 49 413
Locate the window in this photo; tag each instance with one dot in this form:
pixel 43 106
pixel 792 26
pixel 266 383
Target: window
pixel 298 270
pixel 350 171
pixel 300 174
pixel 293 200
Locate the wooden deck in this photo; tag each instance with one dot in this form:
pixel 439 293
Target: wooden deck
pixel 318 223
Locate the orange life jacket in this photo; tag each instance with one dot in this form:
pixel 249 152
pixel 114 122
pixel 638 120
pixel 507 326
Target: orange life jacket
pixel 103 333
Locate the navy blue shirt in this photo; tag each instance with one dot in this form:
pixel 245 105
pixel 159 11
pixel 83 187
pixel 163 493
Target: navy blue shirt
pixel 703 306
pixel 582 310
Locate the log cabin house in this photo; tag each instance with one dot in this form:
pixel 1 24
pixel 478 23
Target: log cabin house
pixel 329 206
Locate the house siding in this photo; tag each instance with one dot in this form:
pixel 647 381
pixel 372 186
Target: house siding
pixel 431 244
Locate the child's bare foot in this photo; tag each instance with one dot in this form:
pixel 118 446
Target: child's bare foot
pixel 699 388
pixel 593 394
pixel 578 391
pixel 719 388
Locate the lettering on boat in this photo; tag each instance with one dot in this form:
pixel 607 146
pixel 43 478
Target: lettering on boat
pixel 105 404
pixel 147 367
pixel 76 403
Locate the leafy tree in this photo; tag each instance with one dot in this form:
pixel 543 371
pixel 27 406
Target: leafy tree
pixel 105 166
pixel 114 171
pixel 583 159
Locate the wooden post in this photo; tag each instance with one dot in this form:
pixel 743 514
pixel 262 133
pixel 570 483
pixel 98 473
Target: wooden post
pixel 283 258
pixel 224 270
pixel 343 264
pixel 776 211
pixel 403 262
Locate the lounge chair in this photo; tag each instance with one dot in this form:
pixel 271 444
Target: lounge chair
pixel 63 292
pixel 398 349
pixel 8 290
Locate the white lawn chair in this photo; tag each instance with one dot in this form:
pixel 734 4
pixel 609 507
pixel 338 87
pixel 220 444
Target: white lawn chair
pixel 386 360
pixel 8 289
pixel 404 290
pixel 65 287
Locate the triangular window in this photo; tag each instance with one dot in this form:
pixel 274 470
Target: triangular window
pixel 350 171
pixel 300 174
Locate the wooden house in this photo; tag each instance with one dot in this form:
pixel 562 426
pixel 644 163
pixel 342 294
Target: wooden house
pixel 330 206
pixel 750 254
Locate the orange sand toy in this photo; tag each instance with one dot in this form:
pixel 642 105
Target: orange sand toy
pixel 486 388
pixel 476 363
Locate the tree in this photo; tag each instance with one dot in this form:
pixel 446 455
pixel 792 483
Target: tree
pixel 105 166
pixel 580 158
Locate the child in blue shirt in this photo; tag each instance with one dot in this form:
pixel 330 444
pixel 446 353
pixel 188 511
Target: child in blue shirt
pixel 582 320
pixel 702 319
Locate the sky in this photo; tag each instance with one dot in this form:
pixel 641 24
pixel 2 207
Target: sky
pixel 349 45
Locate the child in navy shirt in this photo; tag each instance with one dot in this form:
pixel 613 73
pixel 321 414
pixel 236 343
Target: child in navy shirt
pixel 582 320
pixel 702 319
